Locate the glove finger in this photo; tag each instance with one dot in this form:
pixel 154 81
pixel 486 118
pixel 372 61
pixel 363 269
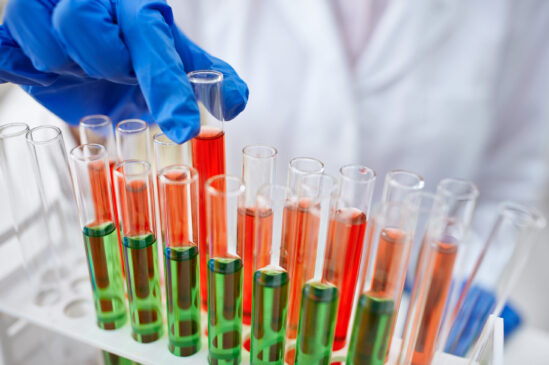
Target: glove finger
pixel 29 22
pixel 16 67
pixel 145 26
pixel 83 27
pixel 234 92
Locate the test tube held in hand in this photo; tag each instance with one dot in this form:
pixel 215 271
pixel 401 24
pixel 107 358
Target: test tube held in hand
pixel 208 152
pixel 93 194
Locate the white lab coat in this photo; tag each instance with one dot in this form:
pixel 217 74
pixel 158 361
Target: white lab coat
pixel 446 88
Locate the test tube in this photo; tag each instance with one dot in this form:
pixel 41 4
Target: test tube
pixel 178 191
pixel 348 220
pixel 93 195
pixel 399 184
pixel 135 198
pixel 297 221
pixel 98 129
pixel 389 236
pixel 271 278
pixel 51 166
pixel 224 197
pixel 319 298
pixel 28 214
pixel 432 218
pixel 167 152
pixel 208 152
pixel 133 141
pixel 496 271
pixel 258 167
pixel 438 262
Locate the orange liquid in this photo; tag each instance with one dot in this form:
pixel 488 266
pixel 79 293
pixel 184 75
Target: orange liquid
pixel 134 199
pixel 246 222
pixel 389 258
pixel 208 150
pixel 301 255
pixel 442 257
pixel 343 253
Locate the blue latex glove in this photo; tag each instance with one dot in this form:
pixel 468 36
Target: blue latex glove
pixel 122 58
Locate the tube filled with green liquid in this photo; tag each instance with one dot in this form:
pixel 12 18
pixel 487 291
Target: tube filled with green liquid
pixel 93 193
pixel 224 197
pixel 135 200
pixel 178 193
pixel 271 279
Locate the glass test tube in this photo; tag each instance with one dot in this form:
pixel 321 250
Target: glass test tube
pixel 271 278
pixel 178 193
pixel 93 195
pixel 298 221
pixel 135 198
pixel 51 166
pixel 258 167
pixel 28 214
pixel 496 270
pixel 389 235
pixel 348 220
pixel 399 184
pixel 432 218
pixel 224 198
pixel 208 152
pixel 438 262
pixel 98 129
pixel 319 298
pixel 133 141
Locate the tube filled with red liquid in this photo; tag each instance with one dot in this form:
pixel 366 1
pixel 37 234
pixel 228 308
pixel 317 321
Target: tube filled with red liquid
pixel 345 242
pixel 436 265
pixel 258 168
pixel 208 153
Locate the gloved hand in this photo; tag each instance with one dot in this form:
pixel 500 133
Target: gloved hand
pixel 122 58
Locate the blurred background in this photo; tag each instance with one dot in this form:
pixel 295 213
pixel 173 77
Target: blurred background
pixel 442 129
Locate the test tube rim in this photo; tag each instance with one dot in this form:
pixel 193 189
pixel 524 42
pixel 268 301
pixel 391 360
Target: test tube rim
pixel 187 180
pixel 272 149
pixel 99 156
pixel 3 127
pixel 215 192
pixel 443 188
pixel 146 172
pixel 528 216
pixel 53 139
pixel 141 122
pixel 367 181
pixel 291 165
pixel 391 181
pixel 193 76
pixel 105 120
pixel 169 142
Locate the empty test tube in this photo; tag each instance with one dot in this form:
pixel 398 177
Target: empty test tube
pixel 93 194
pixel 135 198
pixel 133 141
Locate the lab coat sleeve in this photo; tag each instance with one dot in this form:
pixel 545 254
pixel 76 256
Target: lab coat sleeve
pixel 514 166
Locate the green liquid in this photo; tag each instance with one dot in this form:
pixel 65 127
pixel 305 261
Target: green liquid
pixel 141 262
pixel 317 320
pixel 269 311
pixel 112 359
pixel 182 299
pixel 104 265
pixel 224 310
pixel 371 330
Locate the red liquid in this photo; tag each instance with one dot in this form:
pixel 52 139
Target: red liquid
pixel 388 263
pixel 246 222
pixel 300 242
pixel 115 209
pixel 134 199
pixel 208 150
pixel 442 257
pixel 175 217
pixel 343 253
